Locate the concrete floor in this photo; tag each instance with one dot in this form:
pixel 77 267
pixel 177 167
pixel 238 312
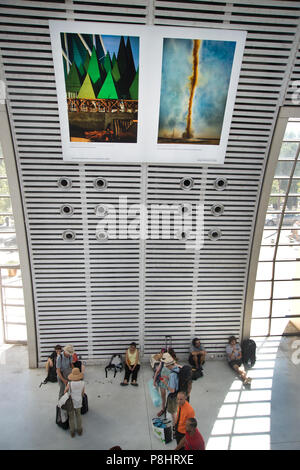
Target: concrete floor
pixel 230 416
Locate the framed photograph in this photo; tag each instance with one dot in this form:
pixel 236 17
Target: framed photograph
pixel 129 93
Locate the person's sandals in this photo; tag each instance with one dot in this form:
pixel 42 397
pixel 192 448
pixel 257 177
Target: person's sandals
pixel 247 381
pixel 135 384
pixel 124 384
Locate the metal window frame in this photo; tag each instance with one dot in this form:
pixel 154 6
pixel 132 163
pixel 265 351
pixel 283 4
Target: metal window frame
pixel 18 211
pixel 285 114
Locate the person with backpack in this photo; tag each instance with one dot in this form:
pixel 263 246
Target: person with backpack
pixel 75 387
pixel 172 385
pixel 235 361
pixel 64 367
pixel 162 371
pixel 51 365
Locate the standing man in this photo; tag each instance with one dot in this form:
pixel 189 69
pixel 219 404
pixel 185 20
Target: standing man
pixel 184 412
pixel 64 368
pixel 172 385
pixel 197 354
pixel 192 440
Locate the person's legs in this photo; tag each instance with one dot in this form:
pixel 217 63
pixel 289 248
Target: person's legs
pixel 127 374
pixel 61 388
pixel 78 420
pixel 71 415
pixel 178 436
pixel 135 373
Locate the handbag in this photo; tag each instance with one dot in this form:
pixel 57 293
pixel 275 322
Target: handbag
pixel 68 403
pixel 68 406
pixel 154 394
pixel 85 405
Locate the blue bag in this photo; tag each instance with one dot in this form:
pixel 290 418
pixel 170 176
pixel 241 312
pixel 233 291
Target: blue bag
pixel 154 394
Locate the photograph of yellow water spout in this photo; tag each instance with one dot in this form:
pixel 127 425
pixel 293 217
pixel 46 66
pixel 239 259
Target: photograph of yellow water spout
pixel 194 87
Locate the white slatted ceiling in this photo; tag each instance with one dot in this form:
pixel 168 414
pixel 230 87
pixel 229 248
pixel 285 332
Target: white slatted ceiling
pixel 91 293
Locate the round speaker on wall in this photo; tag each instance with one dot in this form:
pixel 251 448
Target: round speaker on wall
pixel 101 210
pixel 64 183
pixel 186 183
pixel 69 235
pixel 220 184
pixel 66 210
pixel 100 184
pixel 217 209
pixel 215 234
pixel 101 235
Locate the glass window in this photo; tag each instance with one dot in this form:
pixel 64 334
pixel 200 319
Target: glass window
pixel 285 307
pixel 284 168
pixel 297 170
pixel 11 291
pixel 279 186
pixel 275 204
pixel 259 327
pixel 286 289
pixel 264 271
pixel 295 187
pixel 288 150
pixel 279 326
pixel 261 308
pixel 292 131
pixel 262 290
pixel 266 253
pixel 276 290
pixel 287 270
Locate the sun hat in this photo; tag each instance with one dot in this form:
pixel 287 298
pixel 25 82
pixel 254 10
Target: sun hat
pixel 75 374
pixel 69 349
pixel 167 359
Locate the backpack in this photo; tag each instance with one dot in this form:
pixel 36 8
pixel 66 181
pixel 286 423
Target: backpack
pixel 184 380
pixel 115 364
pixel 249 352
pixel 51 377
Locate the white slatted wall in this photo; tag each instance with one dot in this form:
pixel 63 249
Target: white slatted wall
pixel 100 295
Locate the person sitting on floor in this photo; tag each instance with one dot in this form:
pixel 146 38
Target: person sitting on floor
pixel 192 440
pixel 51 364
pixel 197 354
pixel 234 358
pixel 132 365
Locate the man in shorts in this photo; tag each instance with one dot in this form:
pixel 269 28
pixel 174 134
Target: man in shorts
pixel 197 354
pixel 172 385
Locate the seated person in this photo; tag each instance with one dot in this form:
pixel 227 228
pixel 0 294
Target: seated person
pixel 132 365
pixel 234 357
pixel 51 365
pixel 197 354
pixel 192 440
